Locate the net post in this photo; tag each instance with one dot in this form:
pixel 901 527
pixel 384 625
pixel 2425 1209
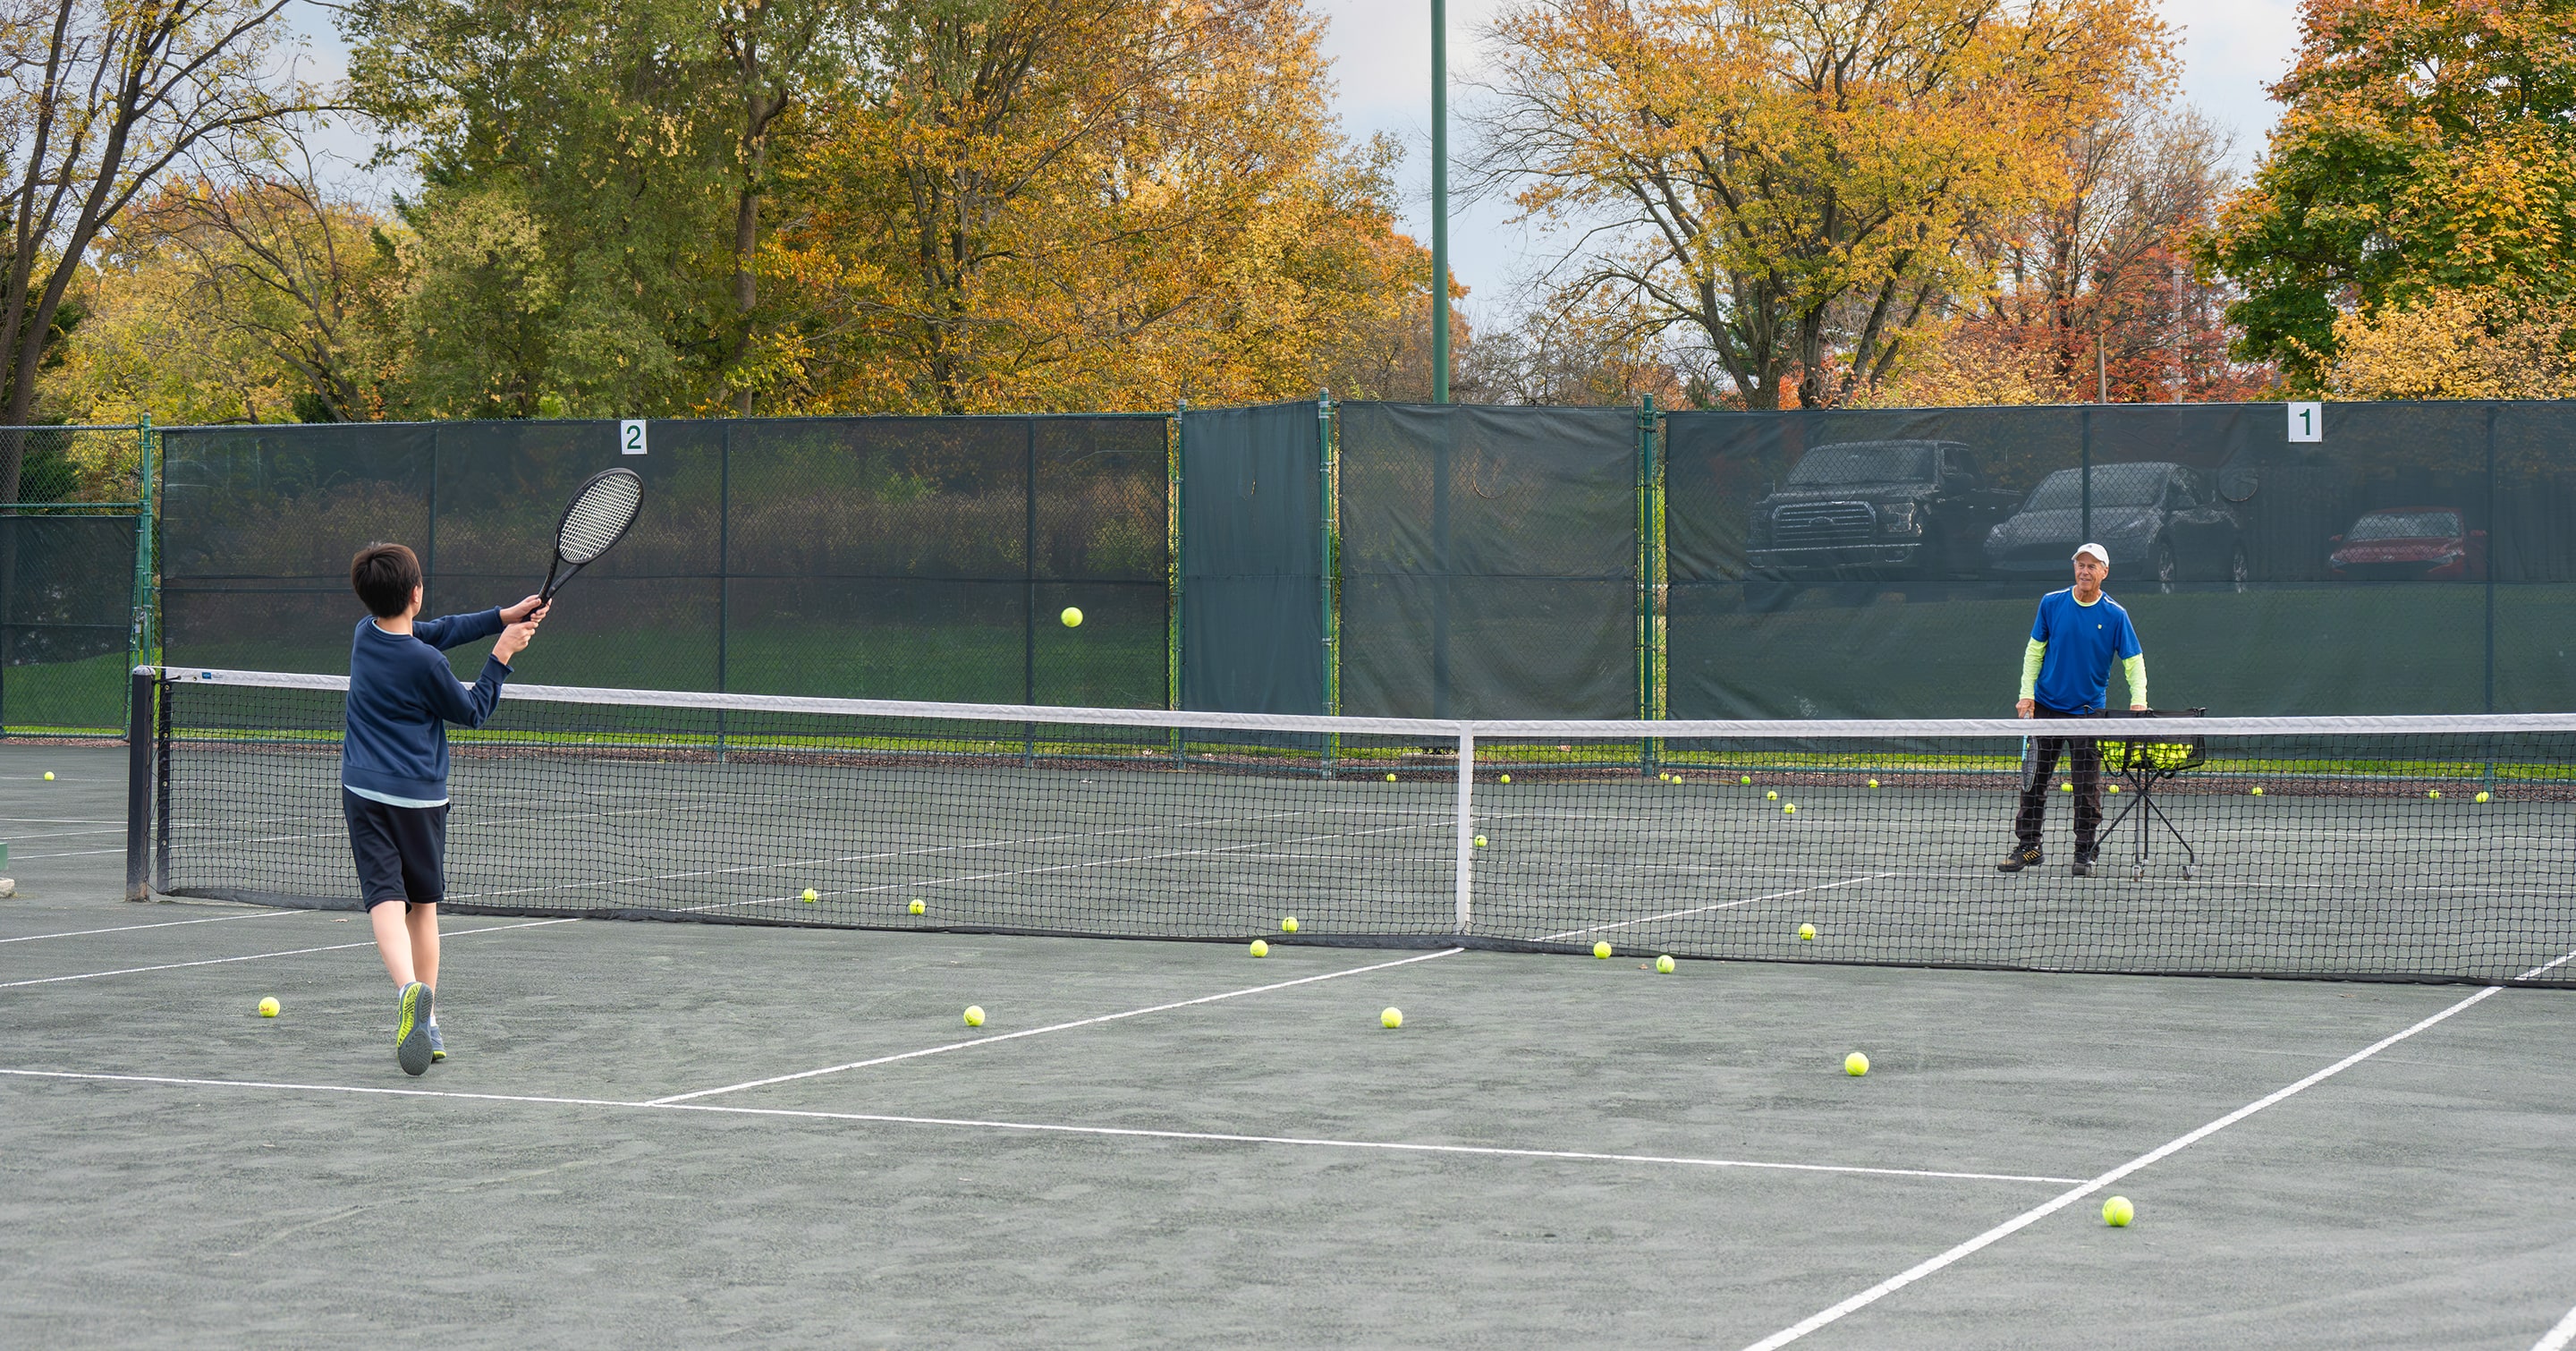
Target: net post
pixel 1466 827
pixel 161 786
pixel 138 785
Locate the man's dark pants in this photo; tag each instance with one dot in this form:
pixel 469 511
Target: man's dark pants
pixel 2039 770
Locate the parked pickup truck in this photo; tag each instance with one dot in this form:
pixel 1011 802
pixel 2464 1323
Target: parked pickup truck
pixel 1865 515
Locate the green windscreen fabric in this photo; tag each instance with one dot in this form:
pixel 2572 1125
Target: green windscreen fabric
pixel 1252 560
pixel 922 558
pixel 66 621
pixel 1888 563
pixel 1489 561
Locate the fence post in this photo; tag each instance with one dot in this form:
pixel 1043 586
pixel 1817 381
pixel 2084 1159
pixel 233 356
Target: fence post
pixel 1645 557
pixel 1029 571
pixel 1331 631
pixel 724 575
pixel 1180 541
pixel 139 644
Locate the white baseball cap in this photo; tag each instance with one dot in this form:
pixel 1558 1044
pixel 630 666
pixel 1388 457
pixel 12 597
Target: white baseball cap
pixel 2096 550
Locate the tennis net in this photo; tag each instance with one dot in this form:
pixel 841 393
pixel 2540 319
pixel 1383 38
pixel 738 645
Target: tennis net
pixel 2435 849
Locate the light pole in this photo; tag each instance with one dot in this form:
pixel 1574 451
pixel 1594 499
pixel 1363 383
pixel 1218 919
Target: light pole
pixel 1439 201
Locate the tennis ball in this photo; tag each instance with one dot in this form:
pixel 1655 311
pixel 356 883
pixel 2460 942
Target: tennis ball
pixel 1806 933
pixel 809 897
pixel 1288 925
pixel 268 1007
pixel 1665 777
pixel 974 1015
pixel 1664 964
pixel 1480 841
pixel 2066 788
pixel 1790 810
pixel 917 907
pixel 1390 778
pixel 1259 948
pixel 2432 792
pixel 1601 950
pixel 1772 796
pixel 1873 783
pixel 2110 788
pixel 1507 778
pixel 2258 790
pixel 2482 797
pixel 1855 1064
pixel 49 776
pixel 1745 779
pixel 2117 1212
pixel 1390 1018
pixel 1072 617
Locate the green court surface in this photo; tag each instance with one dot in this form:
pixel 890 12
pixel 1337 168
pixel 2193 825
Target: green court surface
pixel 671 1133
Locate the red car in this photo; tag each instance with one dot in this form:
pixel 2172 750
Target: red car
pixel 2411 544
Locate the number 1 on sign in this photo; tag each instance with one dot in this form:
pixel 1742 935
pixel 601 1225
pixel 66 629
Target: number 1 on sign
pixel 630 437
pixel 2307 422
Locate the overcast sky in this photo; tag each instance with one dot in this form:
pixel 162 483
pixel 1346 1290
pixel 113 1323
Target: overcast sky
pixel 1381 52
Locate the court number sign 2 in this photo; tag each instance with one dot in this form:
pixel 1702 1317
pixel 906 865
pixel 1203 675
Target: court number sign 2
pixel 630 436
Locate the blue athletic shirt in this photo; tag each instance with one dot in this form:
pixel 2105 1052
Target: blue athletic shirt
pixel 2083 640
pixel 401 698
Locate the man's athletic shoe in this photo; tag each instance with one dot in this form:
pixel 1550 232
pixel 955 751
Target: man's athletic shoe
pixel 411 1030
pixel 2083 865
pixel 437 1048
pixel 2022 856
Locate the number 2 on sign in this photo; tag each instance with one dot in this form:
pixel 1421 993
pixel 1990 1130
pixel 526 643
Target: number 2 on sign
pixel 630 437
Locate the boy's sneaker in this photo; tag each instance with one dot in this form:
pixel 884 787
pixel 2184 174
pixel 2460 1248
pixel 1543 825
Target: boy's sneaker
pixel 2022 856
pixel 437 1048
pixel 411 1030
pixel 2083 865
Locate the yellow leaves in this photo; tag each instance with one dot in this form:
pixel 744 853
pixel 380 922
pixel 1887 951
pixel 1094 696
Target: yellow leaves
pixel 2456 345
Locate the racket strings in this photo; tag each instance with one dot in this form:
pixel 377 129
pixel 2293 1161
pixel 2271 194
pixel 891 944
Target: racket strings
pixel 599 517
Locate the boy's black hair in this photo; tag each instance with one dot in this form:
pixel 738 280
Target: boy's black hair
pixel 383 575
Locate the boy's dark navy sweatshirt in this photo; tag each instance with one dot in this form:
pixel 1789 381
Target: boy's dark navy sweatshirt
pixel 401 698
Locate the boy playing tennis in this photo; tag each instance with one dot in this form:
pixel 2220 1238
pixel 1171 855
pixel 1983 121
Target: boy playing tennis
pixel 393 767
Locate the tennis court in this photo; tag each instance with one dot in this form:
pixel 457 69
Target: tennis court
pixel 667 1132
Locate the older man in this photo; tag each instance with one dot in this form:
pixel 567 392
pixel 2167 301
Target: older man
pixel 2066 673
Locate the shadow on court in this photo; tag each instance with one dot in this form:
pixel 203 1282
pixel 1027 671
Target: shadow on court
pixel 664 1133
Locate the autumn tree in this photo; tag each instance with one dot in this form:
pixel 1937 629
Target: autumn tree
pixel 1794 182
pixel 2427 149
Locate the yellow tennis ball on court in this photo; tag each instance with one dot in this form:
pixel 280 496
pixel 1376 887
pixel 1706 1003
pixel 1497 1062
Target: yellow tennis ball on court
pixel 2258 790
pixel 1072 617
pixel 809 897
pixel 1873 783
pixel 974 1015
pixel 1664 964
pixel 1665 777
pixel 1480 841
pixel 2117 1212
pixel 1789 810
pixel 2066 788
pixel 1288 925
pixel 917 907
pixel 2110 788
pixel 49 776
pixel 268 1007
pixel 2482 797
pixel 1259 948
pixel 1390 778
pixel 2432 792
pixel 1507 778
pixel 1855 1064
pixel 1601 950
pixel 1806 933
pixel 1390 1017
pixel 1745 779
pixel 1772 796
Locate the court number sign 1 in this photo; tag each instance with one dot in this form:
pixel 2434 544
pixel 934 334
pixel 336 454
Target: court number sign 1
pixel 630 436
pixel 2307 422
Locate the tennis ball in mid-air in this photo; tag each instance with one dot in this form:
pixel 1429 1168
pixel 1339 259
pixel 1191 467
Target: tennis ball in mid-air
pixel 1259 948
pixel 1790 809
pixel 2066 788
pixel 810 896
pixel 1601 950
pixel 2117 1212
pixel 1390 1017
pixel 1480 841
pixel 2432 792
pixel 2482 797
pixel 974 1015
pixel 2110 788
pixel 268 1007
pixel 917 907
pixel 1390 778
pixel 1072 617
pixel 1806 933
pixel 1747 778
pixel 1855 1064
pixel 1288 925
pixel 1664 964
pixel 49 776
pixel 1772 796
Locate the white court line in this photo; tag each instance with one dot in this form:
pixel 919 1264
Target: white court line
pixel 1722 905
pixel 1054 1027
pixel 262 956
pixel 1050 1128
pixel 2081 1190
pixel 2560 1337
pixel 163 924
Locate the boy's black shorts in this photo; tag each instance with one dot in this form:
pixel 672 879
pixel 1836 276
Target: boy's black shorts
pixel 401 851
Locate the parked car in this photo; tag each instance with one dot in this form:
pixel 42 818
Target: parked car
pixel 2414 544
pixel 2163 524
pixel 1866 514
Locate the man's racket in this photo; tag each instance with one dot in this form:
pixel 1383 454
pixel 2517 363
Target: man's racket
pixel 596 519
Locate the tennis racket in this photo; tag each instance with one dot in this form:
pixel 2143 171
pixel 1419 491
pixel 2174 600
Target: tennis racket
pixel 593 522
